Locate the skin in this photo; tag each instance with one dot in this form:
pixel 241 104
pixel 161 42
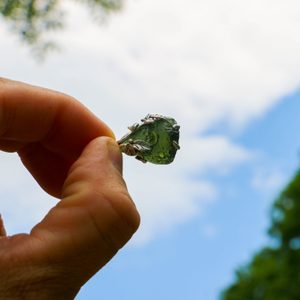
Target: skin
pixel 74 157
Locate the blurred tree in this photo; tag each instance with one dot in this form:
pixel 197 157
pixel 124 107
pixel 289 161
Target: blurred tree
pixel 274 273
pixel 34 19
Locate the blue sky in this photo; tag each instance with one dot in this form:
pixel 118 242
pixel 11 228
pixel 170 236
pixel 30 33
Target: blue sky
pixel 230 76
pixel 193 263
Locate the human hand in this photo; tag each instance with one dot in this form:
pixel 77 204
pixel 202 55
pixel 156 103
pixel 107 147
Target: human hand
pixel 74 157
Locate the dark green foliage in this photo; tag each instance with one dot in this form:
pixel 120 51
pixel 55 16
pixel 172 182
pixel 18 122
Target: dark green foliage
pixel 286 216
pixel 34 19
pixel 106 5
pixel 274 273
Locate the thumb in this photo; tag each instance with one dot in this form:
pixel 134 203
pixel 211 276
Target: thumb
pixel 96 215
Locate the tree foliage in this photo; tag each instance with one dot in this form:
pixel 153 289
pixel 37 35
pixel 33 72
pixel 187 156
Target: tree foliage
pixel 33 20
pixel 274 272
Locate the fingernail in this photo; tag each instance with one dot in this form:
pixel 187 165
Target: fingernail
pixel 115 155
pixel 2 228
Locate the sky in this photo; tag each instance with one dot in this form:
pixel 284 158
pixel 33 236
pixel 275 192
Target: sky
pixel 228 72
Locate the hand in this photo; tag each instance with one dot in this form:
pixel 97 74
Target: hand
pixel 74 157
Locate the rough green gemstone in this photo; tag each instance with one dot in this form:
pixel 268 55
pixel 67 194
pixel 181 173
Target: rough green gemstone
pixel 154 140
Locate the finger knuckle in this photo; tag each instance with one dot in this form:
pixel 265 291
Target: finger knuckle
pixel 123 218
pixel 7 116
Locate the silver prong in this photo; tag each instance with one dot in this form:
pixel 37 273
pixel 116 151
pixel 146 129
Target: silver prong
pixel 141 159
pixel 176 145
pixel 148 121
pixel 146 118
pixel 120 141
pixel 133 127
pixel 176 127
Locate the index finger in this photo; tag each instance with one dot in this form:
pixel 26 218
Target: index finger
pixel 31 114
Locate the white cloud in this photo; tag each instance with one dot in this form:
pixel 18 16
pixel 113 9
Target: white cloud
pixel 203 62
pixel 268 181
pixel 223 59
pixel 22 202
pixel 165 198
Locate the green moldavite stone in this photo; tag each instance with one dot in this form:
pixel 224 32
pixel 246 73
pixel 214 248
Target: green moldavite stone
pixel 154 140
